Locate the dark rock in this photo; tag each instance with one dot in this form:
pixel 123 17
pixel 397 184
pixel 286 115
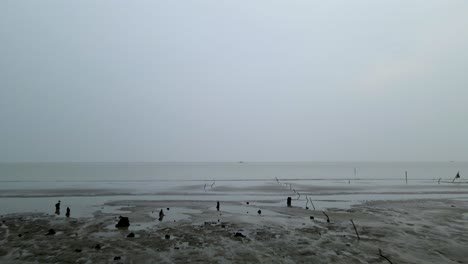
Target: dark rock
pixel 223 226
pixel 78 250
pixel 97 247
pixel 259 212
pixel 167 236
pixel 131 235
pixel 238 234
pixel 312 217
pixel 168 208
pixel 117 258
pixel 247 203
pixel 176 248
pixel 452 205
pixel 51 232
pixel 123 222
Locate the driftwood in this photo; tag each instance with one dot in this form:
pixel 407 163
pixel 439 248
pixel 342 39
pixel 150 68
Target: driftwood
pixel 355 230
pixel 380 254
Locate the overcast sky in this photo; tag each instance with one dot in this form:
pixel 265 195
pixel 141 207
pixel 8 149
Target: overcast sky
pixel 233 80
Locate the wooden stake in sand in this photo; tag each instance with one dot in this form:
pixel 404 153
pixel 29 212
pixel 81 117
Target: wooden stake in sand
pixel 328 218
pixel 313 206
pixel 204 187
pixel 406 176
pixel 380 254
pixel 355 230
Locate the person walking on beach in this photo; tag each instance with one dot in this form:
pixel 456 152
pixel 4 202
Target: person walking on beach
pixel 217 205
pixel 68 212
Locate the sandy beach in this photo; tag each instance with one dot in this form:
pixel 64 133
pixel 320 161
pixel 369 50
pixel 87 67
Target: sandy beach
pixel 407 226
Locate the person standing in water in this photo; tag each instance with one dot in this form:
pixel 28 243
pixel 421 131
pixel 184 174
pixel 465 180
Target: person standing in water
pixel 68 212
pixel 57 208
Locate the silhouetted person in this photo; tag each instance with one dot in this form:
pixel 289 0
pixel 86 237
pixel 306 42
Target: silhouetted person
pixel 68 212
pixel 161 215
pixel 217 205
pixel 259 212
pixel 57 208
pixel 289 202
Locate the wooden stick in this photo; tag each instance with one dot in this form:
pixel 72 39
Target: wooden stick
pixel 355 230
pixel 328 218
pixel 312 203
pixel 380 254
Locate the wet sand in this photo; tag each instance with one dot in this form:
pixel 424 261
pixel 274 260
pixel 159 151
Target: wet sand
pixel 407 231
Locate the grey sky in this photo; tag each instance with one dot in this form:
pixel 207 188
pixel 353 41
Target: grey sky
pixel 233 80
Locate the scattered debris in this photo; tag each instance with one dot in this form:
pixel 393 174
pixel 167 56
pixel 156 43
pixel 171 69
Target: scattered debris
pixel 238 234
pixel 97 247
pixel 167 236
pixel 78 250
pixel 51 232
pixel 117 258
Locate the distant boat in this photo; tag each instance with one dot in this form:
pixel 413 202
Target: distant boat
pixel 241 161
